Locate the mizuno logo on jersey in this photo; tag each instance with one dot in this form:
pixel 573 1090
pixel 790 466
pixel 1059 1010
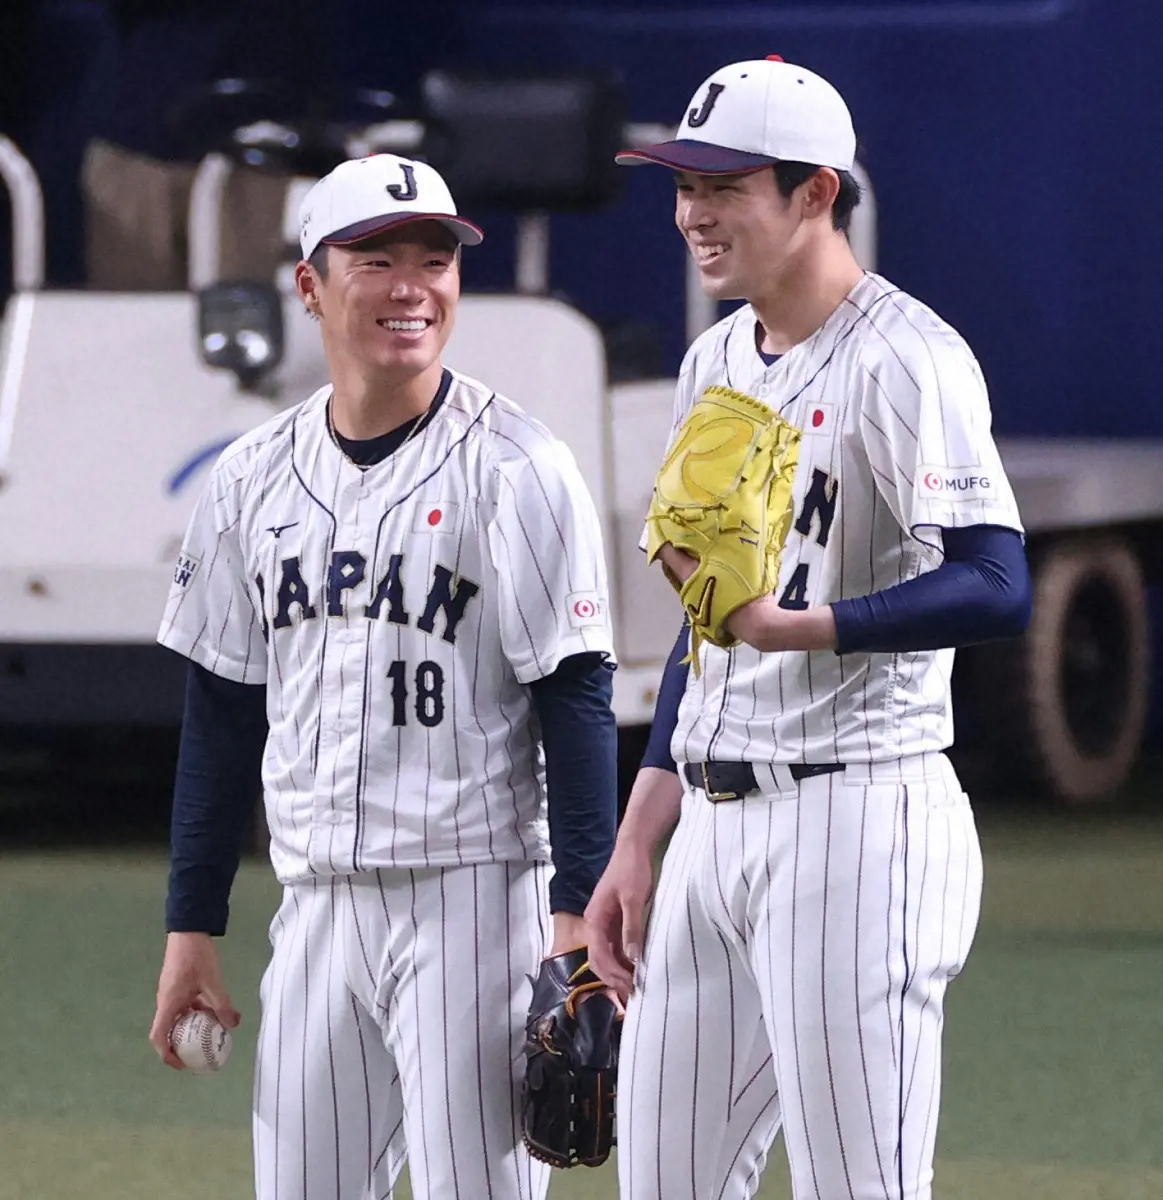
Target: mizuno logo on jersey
pixel 278 529
pixel 347 585
pixel 185 569
pixel 954 483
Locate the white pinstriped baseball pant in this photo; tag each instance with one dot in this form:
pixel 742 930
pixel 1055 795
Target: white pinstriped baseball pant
pixel 794 977
pixel 393 1015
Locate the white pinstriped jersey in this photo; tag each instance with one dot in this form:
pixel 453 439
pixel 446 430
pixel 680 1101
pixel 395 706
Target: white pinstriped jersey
pixel 394 614
pixel 896 445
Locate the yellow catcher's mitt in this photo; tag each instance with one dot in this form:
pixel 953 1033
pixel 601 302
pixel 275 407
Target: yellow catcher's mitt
pixel 724 495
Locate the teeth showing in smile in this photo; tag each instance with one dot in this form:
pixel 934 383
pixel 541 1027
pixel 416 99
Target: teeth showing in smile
pixel 405 326
pixel 705 254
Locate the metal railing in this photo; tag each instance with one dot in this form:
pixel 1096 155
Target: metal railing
pixel 27 217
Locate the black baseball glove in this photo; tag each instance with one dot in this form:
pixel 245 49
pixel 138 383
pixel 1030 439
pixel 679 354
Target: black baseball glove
pixel 571 1064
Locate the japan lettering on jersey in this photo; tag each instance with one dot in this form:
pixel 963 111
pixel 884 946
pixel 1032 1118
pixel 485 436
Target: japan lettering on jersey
pixel 896 445
pixel 394 615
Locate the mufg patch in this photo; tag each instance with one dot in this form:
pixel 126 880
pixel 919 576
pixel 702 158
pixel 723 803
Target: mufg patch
pixel 584 608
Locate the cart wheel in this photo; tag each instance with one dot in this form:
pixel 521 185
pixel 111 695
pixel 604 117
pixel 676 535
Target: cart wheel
pixel 1068 703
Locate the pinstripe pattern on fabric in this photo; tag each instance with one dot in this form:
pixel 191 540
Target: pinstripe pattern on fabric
pixel 325 1091
pixel 375 1047
pixel 372 757
pixel 843 926
pixel 885 394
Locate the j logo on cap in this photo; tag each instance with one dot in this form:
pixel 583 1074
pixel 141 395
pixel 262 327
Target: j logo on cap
pixel 697 117
pixel 406 190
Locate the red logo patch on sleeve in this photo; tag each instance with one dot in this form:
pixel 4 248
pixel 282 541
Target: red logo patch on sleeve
pixel 584 609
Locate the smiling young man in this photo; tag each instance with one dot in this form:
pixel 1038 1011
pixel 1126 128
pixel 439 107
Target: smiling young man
pixel 823 883
pixel 392 596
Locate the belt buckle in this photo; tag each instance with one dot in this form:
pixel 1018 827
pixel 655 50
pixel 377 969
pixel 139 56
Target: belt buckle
pixel 715 797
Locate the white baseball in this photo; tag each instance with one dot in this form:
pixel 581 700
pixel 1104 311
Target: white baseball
pixel 201 1042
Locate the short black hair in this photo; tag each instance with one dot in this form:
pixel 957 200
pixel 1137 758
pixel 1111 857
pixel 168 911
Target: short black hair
pixel 789 176
pixel 318 259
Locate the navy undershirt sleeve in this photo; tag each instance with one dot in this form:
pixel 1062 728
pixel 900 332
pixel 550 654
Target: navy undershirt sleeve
pixel 218 782
pixel 980 592
pixel 580 736
pixel 670 693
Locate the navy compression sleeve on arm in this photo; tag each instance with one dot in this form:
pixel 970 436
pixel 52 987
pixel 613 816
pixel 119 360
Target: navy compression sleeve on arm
pixel 580 736
pixel 980 592
pixel 670 693
pixel 224 729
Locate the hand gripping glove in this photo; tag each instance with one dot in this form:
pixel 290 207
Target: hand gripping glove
pixel 724 495
pixel 571 1064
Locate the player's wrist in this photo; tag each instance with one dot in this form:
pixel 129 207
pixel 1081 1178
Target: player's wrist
pixel 651 813
pixel 766 626
pixel 192 950
pixel 569 932
pixel 815 628
pixel 637 843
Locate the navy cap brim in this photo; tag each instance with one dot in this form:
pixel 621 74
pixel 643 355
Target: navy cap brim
pixel 465 232
pixel 700 158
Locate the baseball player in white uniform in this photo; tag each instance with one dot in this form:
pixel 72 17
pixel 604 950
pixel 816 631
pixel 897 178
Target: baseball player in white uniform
pixel 823 883
pixel 393 596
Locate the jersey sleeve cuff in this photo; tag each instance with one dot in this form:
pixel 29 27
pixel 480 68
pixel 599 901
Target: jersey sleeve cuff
pixel 928 533
pixel 530 670
pixel 931 518
pixel 211 659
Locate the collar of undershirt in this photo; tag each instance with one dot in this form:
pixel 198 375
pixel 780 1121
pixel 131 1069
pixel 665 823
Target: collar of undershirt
pixel 366 452
pixel 759 334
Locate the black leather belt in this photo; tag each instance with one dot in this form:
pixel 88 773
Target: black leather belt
pixel 734 780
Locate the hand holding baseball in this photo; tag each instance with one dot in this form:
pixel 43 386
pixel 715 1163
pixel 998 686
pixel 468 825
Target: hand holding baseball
pixel 191 979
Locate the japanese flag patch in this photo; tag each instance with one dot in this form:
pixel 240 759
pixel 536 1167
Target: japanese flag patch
pixel 437 517
pixel 820 419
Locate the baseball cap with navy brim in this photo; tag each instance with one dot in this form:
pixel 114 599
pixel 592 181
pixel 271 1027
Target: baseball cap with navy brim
pixel 365 196
pixel 750 115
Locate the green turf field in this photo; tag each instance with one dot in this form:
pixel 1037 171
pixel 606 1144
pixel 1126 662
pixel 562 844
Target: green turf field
pixel 1054 1035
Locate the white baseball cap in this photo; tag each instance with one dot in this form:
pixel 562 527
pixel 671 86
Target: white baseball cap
pixel 365 196
pixel 751 114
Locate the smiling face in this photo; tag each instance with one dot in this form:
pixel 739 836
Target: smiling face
pixel 740 231
pixel 387 304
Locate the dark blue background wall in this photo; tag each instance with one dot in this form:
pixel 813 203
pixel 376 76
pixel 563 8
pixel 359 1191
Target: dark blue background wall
pixel 1015 149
